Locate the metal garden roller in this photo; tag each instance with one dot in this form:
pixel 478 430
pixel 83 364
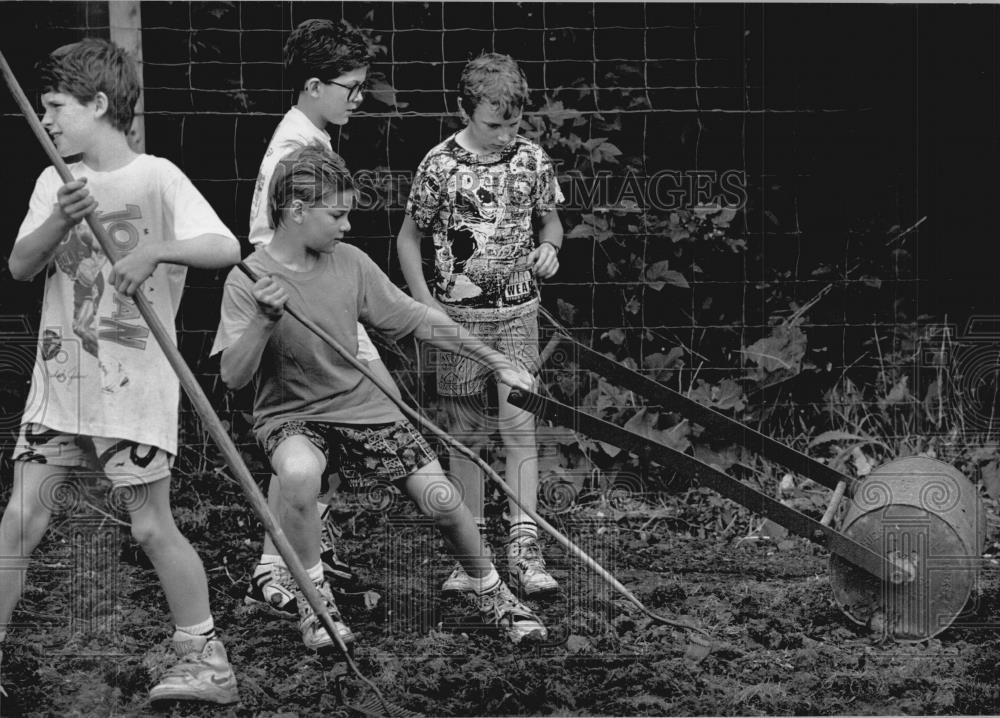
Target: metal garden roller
pixel 907 547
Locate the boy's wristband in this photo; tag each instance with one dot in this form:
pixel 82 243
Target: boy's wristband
pixel 554 246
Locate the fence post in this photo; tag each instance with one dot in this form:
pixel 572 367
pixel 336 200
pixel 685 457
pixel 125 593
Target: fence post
pixel 125 22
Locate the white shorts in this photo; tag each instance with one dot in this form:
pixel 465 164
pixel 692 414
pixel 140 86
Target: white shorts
pixel 123 461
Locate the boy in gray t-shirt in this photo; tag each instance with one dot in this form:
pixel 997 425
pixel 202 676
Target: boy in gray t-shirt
pixel 309 403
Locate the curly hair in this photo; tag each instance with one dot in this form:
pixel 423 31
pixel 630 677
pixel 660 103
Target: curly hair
pixel 82 69
pixel 323 49
pixel 308 174
pixel 496 79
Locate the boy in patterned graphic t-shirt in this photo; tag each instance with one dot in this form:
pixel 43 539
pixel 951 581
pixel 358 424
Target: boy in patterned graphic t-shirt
pixel 480 193
pixel 102 390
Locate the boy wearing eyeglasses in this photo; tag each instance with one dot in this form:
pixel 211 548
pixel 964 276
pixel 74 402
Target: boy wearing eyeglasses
pixel 327 63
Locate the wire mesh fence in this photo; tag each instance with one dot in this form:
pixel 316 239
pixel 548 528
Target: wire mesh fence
pixel 650 110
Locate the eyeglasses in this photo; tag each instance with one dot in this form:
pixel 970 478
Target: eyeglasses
pixel 353 91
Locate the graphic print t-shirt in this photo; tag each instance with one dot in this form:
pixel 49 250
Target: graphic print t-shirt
pixel 479 210
pixel 98 370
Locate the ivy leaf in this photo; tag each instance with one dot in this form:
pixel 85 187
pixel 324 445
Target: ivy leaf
pixel 723 459
pixel 594 142
pixel 573 142
pixel 616 336
pixel 633 306
pixel 592 226
pixel 783 350
pixel 724 217
pixel 676 437
pixel 605 152
pixel 644 423
pixel 898 394
pixel 557 113
pixel 658 275
pixel 728 395
pixel 382 91
pixel 567 312
pixel 660 363
pixel 701 392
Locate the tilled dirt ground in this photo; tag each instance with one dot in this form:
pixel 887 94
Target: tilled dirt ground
pixel 92 630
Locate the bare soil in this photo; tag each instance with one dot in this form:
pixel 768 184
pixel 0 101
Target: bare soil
pixel 92 631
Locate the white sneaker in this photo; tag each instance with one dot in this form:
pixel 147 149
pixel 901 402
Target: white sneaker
pixel 314 633
pixel 458 582
pixel 272 590
pixel 203 675
pixel 503 609
pixel 527 568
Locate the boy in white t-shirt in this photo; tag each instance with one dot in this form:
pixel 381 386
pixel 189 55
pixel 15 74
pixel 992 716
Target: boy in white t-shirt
pixel 328 64
pixel 102 388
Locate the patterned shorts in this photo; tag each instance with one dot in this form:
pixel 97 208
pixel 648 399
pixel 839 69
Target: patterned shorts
pixel 123 461
pixel 363 455
pixel 516 338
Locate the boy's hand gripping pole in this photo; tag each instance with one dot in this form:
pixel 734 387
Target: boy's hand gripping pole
pixel 430 426
pixel 188 381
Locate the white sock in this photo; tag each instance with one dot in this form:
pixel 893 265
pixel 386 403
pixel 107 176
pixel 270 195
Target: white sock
pixel 189 639
pixel 199 629
pixel 266 559
pixel 523 529
pixel 316 573
pixel 487 583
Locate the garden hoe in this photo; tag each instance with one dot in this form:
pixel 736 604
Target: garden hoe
pixel 203 407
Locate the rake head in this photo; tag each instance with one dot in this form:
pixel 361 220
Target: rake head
pixel 370 704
